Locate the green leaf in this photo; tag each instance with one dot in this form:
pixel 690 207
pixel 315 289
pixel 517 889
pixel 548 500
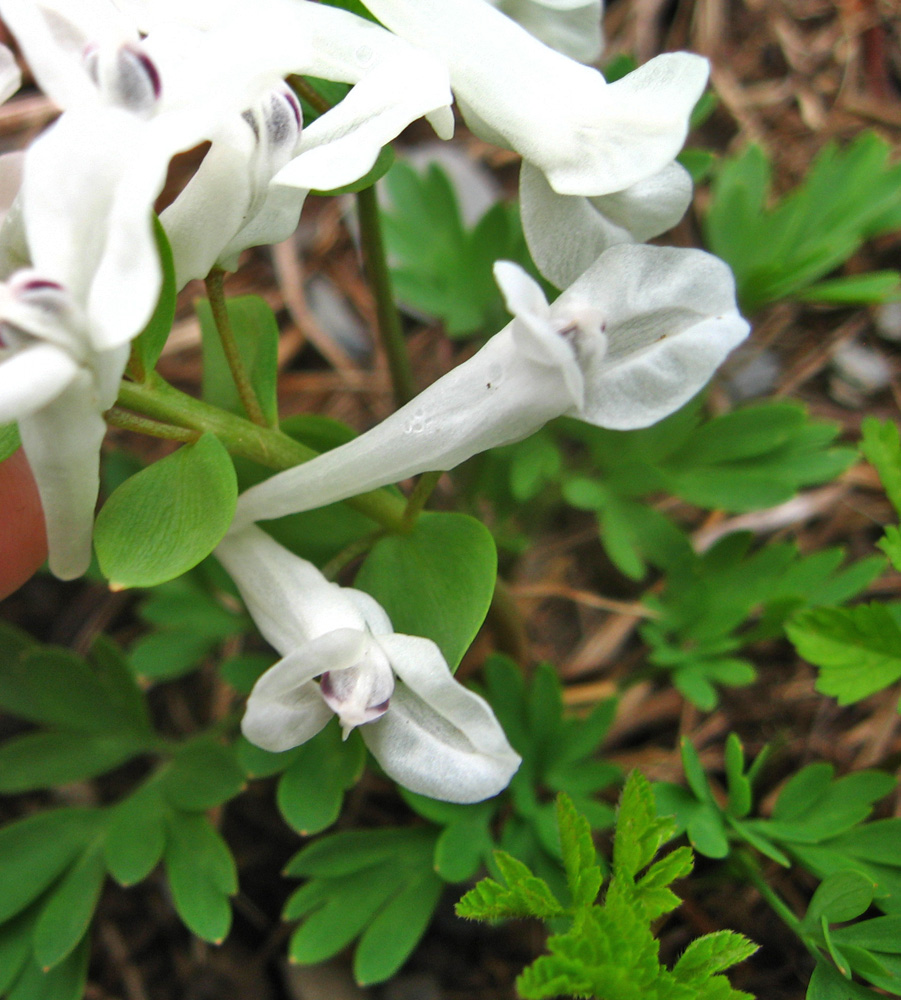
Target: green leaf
pixel 350 851
pixel 882 447
pixel 201 873
pixel 583 875
pixel 858 649
pixel 67 913
pixel 855 289
pixel 15 948
pixel 891 545
pixel 439 264
pixel 712 953
pixel 827 983
pixel 163 521
pixel 65 981
pixel 45 759
pixel 36 850
pixel 340 911
pixel 54 687
pixel 739 786
pixel 115 674
pixel 202 774
pixel 135 835
pixel 9 440
pixel 394 933
pixel 311 790
pixel 524 895
pixel 462 846
pixel 148 345
pixel 255 331
pixel 437 581
pixel 840 897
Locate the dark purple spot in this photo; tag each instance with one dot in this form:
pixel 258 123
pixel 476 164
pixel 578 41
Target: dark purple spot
pixel 40 284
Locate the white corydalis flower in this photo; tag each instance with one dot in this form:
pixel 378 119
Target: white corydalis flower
pixel 56 386
pixel 428 732
pixel 635 337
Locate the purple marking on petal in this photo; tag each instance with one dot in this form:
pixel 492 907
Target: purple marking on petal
pixel 294 104
pixel 39 284
pixel 151 71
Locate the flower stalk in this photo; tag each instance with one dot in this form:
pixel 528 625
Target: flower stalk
pixel 215 291
pixel 269 447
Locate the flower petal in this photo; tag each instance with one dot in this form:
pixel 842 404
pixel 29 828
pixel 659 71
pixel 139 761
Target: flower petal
pixel 567 233
pixel 288 598
pixel 344 143
pixel 438 738
pixel 208 213
pixel 10 76
pixel 588 137
pixel 277 725
pixel 53 38
pixel 32 377
pixel 496 397
pixel 62 442
pixel 670 319
pixel 572 27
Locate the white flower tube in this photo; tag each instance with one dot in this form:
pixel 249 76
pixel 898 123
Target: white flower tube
pixel 428 732
pixel 635 337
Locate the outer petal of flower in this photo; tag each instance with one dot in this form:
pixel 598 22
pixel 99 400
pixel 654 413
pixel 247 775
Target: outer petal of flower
pixel 32 377
pixel 587 136
pixel 343 144
pixel 62 442
pixel 567 233
pixel 265 572
pixel 670 319
pixel 495 398
pixel 438 738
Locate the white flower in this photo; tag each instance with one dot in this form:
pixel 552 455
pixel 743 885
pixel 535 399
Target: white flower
pixel 572 27
pixel 610 148
pixel 57 386
pixel 635 337
pixel 428 732
pixel 251 186
pixel 587 136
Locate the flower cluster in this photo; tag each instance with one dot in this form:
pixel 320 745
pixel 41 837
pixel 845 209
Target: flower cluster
pixel 635 333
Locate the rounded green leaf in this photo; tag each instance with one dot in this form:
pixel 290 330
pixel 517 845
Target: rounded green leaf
pixel 437 581
pixel 163 521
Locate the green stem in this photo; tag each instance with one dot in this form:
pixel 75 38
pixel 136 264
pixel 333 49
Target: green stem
pixel 350 552
pixel 264 445
pixel 141 425
pixel 749 869
pixel 215 291
pixel 418 498
pixel 390 331
pixel 507 624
